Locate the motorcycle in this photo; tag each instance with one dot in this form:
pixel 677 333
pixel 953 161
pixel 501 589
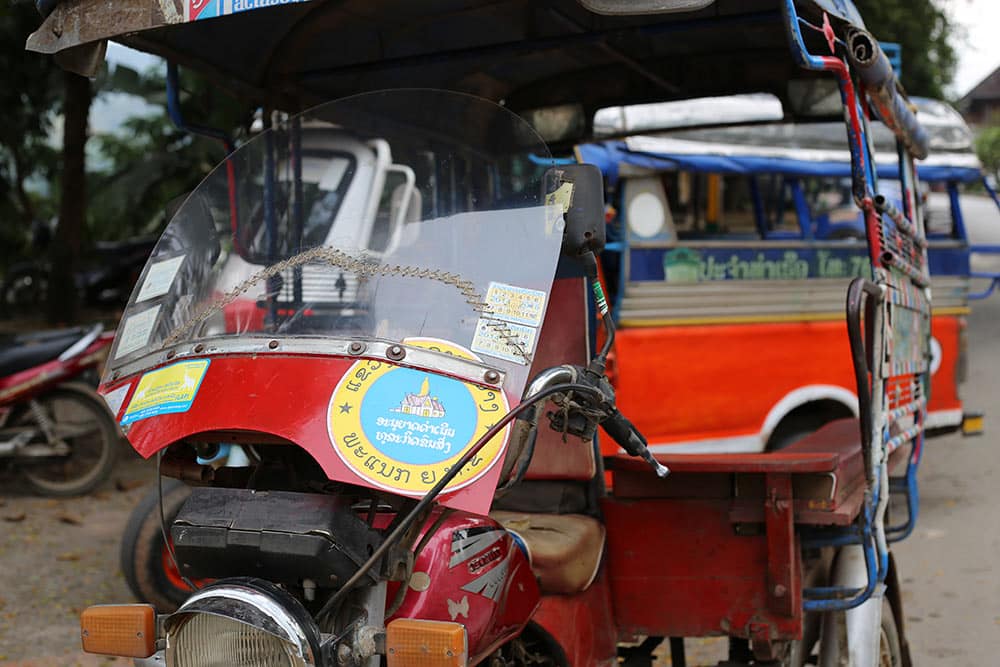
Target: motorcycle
pixel 55 430
pixel 104 281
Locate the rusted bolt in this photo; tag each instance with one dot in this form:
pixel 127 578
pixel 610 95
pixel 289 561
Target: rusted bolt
pixel 492 377
pixel 779 591
pixel 395 352
pixel 357 347
pixel 273 345
pixel 199 348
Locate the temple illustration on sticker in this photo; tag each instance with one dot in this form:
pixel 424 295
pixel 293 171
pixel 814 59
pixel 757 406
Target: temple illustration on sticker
pixel 422 404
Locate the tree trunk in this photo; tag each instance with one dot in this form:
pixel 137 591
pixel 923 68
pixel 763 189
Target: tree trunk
pixel 63 298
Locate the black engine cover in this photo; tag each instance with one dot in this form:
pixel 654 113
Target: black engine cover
pixel 279 536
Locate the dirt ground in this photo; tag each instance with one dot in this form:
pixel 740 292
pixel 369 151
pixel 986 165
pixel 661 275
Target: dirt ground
pixel 56 558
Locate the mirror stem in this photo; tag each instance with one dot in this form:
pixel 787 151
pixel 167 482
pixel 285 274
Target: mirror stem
pixel 589 262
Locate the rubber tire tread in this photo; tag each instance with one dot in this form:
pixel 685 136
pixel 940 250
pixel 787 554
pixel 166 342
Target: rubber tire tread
pixel 141 551
pixel 111 438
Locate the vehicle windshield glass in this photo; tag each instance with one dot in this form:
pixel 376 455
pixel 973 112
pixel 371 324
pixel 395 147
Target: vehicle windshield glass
pixel 392 216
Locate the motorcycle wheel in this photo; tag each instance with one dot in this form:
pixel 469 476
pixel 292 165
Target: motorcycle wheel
pixel 890 652
pixel 149 571
pixel 23 289
pixel 93 445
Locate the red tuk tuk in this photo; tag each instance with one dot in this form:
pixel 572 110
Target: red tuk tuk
pixel 417 392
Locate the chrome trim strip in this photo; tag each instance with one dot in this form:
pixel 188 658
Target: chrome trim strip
pixel 245 345
pixel 82 344
pixel 284 625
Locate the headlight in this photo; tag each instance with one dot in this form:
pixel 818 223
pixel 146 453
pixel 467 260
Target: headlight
pixel 241 622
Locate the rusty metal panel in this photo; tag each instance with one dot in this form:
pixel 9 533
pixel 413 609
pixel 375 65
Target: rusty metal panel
pixel 85 21
pixel 678 568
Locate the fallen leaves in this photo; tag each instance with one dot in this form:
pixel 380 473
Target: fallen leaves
pixel 129 484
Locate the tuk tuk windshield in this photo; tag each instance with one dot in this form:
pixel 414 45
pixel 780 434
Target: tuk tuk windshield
pixel 393 216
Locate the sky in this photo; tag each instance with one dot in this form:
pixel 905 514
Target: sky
pixel 977 44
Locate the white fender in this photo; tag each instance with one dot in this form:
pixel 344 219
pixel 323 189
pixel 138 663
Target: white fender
pixel 807 394
pixel 856 632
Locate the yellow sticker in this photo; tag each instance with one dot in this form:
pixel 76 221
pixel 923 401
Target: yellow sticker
pixel 166 390
pixel 402 429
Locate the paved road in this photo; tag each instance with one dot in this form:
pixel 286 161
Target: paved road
pixel 949 566
pixel 949 570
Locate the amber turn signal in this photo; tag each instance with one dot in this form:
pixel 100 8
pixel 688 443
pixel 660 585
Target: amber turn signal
pixel 972 424
pixel 127 630
pixel 415 643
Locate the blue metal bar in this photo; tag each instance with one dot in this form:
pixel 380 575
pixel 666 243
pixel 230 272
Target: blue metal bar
pixel 861 169
pixel 802 209
pixel 837 598
pixel 758 206
pixel 957 219
pixel 991 191
pixel 550 161
pixel 994 284
pixel 174 111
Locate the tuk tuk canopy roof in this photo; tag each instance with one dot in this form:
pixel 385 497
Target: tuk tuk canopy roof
pixel 674 154
pixel 291 54
pixel 794 149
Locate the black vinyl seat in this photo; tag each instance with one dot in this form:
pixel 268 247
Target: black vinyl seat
pixel 23 351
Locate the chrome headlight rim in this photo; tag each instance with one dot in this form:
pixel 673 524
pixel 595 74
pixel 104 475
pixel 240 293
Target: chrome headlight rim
pixel 259 604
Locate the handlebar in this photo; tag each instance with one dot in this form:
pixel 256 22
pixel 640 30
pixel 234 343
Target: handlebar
pixel 632 441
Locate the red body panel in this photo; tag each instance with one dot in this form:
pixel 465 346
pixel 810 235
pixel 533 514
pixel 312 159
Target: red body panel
pixel 32 381
pixel 690 574
pixel 582 624
pixel 471 571
pixel 283 396
pixel 691 383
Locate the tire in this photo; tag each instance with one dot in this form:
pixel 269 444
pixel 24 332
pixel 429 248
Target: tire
pixel 890 648
pixel 148 569
pixel 92 453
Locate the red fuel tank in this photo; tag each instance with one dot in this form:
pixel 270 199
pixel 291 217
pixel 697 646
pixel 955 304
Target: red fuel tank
pixel 470 571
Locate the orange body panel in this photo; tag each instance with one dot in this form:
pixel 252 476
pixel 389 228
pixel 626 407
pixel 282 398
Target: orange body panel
pixel 685 384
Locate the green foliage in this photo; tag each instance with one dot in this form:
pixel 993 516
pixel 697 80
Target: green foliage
pixel 149 162
pixel 30 94
pixel 924 32
pixel 988 149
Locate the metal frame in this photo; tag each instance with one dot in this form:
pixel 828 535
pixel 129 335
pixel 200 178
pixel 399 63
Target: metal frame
pixel 898 253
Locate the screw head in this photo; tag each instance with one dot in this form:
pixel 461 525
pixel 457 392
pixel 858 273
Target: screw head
pixel 492 377
pixel 779 591
pixel 171 354
pixel 273 344
pixel 199 348
pixel 395 352
pixel 356 347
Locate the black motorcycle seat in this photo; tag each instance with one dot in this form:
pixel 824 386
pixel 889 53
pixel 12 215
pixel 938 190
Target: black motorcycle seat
pixel 20 352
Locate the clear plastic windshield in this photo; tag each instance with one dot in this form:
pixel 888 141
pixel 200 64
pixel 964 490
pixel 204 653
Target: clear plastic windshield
pixel 388 216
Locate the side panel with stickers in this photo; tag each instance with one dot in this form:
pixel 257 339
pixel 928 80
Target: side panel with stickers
pixel 402 429
pixel 166 390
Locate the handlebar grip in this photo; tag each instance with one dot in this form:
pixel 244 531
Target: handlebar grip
pixel 631 440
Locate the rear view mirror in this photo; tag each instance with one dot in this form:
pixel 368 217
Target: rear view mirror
pixel 579 189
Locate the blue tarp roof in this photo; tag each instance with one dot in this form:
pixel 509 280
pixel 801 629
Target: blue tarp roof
pixel 608 155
